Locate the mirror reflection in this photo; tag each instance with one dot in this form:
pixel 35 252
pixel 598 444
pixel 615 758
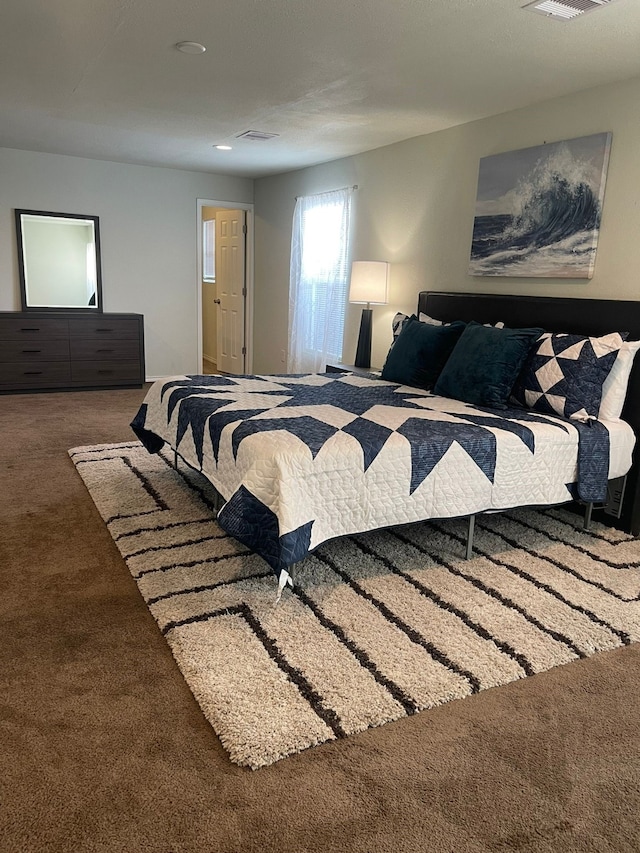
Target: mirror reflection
pixel 59 260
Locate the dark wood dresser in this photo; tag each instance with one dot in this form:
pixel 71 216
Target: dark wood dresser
pixel 66 350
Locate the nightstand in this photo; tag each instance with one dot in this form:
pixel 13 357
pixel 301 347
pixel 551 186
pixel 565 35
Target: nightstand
pixel 351 368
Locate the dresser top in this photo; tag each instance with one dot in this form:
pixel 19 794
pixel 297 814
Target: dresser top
pixel 46 314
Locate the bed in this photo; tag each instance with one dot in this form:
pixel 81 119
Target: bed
pixel 300 459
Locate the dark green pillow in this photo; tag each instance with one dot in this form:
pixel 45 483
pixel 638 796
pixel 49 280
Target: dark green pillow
pixel 485 364
pixel 420 352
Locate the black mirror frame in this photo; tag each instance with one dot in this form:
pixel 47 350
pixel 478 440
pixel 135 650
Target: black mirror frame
pixel 23 285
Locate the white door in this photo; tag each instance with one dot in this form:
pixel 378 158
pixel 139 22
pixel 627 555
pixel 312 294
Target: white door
pixel 231 290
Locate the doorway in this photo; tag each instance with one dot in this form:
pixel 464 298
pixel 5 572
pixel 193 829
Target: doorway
pixel 225 286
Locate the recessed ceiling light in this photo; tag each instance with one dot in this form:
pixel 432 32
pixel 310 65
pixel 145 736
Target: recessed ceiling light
pixel 223 147
pixel 190 47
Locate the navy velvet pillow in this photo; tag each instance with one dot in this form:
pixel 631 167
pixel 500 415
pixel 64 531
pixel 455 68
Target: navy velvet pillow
pixel 485 364
pixel 420 352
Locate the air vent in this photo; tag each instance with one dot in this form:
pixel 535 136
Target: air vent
pixel 564 10
pixel 256 135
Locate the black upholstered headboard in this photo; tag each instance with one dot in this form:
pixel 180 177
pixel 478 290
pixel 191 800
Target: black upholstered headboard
pixel 586 316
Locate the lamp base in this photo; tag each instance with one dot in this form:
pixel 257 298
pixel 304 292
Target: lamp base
pixel 363 352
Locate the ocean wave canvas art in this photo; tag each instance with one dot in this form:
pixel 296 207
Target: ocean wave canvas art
pixel 538 209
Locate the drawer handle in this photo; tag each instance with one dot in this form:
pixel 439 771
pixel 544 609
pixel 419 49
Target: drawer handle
pixel 32 372
pixel 31 350
pixel 30 329
pixel 105 371
pixel 104 330
pixel 104 350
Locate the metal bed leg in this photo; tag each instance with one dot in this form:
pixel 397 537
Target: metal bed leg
pixel 472 524
pixel 587 516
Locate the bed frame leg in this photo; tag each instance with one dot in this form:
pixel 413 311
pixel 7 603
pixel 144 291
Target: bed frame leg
pixel 284 578
pixel 472 525
pixel 175 459
pixel 587 516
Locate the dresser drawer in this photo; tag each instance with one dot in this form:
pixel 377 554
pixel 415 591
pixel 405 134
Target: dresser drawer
pixel 28 329
pixel 26 374
pixel 105 372
pixel 56 349
pixel 104 327
pixel 104 349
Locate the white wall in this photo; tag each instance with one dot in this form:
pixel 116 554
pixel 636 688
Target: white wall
pixel 148 221
pixel 415 206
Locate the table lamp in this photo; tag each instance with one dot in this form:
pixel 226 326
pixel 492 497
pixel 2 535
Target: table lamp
pixel 370 285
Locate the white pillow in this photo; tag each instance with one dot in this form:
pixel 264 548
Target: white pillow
pixel 614 389
pixel 425 318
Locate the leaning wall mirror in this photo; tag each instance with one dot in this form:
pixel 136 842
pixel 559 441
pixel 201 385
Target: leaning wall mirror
pixel 58 261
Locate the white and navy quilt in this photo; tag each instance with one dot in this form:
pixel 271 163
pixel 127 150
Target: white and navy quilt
pixel 302 459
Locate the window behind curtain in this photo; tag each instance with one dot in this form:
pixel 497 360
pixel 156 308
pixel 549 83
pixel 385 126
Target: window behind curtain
pixel 209 250
pixel 319 279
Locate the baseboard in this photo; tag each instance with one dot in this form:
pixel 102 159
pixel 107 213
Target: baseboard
pixel 209 359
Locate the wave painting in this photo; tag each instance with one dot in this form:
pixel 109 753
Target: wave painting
pixel 538 209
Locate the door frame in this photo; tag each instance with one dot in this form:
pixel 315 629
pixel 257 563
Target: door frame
pixel 248 274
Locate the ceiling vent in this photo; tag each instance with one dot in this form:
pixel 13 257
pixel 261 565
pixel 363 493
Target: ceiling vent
pixel 256 135
pixel 565 10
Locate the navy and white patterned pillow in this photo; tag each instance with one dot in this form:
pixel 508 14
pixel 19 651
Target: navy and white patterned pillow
pixel 398 323
pixel 564 374
pixel 400 320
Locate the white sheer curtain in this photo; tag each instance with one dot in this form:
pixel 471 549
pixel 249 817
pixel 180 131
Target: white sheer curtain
pixel 319 279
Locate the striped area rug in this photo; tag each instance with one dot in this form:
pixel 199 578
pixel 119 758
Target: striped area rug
pixel 378 626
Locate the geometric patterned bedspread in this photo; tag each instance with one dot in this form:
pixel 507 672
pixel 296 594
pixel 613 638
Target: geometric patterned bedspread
pixel 302 459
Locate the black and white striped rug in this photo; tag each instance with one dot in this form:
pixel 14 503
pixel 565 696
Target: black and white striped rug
pixel 378 626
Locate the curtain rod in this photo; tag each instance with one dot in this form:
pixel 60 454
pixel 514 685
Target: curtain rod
pixel 352 187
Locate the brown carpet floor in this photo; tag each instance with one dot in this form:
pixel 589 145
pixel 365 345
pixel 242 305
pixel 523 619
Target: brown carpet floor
pixel 103 747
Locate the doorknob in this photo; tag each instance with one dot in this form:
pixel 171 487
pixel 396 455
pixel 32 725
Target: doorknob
pixel 217 301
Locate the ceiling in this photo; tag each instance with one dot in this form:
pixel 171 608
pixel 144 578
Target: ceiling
pixel 103 79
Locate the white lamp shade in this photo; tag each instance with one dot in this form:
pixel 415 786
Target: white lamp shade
pixel 369 282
